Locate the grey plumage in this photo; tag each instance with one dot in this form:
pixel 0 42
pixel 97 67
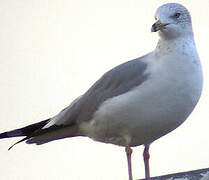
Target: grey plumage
pixel 126 76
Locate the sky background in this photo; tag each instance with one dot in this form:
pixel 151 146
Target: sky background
pixel 52 51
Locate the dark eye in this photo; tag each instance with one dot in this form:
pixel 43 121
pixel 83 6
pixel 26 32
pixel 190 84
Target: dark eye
pixel 176 15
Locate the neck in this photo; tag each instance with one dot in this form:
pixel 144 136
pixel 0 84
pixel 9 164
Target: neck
pixel 182 44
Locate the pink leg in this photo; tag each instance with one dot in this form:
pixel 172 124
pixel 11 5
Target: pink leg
pixel 146 161
pixel 128 155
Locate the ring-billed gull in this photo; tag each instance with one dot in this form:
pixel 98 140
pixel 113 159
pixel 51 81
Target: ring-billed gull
pixel 136 102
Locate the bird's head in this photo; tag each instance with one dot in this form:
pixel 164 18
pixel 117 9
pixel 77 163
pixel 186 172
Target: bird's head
pixel 172 20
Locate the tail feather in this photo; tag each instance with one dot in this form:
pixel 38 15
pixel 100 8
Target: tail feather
pixel 53 133
pixel 25 131
pixel 24 139
pixel 35 134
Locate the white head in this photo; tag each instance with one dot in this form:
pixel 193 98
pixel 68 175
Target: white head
pixel 173 20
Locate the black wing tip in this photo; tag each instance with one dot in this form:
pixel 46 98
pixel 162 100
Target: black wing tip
pixel 25 131
pixel 3 135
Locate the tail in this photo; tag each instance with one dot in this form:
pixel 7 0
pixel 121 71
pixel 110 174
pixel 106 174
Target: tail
pixel 25 131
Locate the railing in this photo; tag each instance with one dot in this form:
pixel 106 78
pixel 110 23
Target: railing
pixel 201 174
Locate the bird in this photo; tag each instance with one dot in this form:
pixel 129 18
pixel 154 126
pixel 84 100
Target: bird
pixel 136 102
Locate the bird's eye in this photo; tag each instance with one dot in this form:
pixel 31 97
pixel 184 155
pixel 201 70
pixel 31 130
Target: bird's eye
pixel 176 15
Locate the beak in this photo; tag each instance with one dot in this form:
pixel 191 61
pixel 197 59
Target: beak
pixel 158 26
